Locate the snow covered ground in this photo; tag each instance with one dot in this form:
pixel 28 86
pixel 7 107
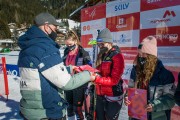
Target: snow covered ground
pixel 9 109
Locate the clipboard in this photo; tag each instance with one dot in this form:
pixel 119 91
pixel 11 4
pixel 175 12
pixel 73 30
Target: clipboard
pixel 138 98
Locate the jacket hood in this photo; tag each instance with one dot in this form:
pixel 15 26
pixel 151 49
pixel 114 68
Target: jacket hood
pixel 116 48
pixel 32 36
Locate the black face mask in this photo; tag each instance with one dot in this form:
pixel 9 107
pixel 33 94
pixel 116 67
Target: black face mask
pixel 53 35
pixel 103 49
pixel 142 61
pixel 72 47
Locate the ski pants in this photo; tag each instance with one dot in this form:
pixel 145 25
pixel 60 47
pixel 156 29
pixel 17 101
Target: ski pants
pixel 106 110
pixel 75 98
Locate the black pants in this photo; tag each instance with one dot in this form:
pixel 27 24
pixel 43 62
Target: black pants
pixel 75 98
pixel 106 110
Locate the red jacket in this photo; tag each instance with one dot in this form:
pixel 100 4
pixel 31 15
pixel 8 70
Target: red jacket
pixel 111 71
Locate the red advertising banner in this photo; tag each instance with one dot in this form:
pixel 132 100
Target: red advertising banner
pixel 129 53
pixel 155 4
pixel 138 98
pixel 85 39
pixel 123 22
pixel 167 36
pixel 130 21
pixel 93 13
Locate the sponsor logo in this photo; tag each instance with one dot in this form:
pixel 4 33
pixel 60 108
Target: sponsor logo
pixel 121 23
pixel 153 1
pixel 23 84
pixel 171 37
pixel 86 11
pixel 122 6
pixel 123 39
pixel 12 72
pixel 127 71
pixel 9 72
pixel 168 14
pixel 31 64
pixel 93 13
pixel 160 20
pixel 86 27
pixel 92 27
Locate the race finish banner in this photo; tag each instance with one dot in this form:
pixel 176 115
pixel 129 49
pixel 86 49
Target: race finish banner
pixel 130 21
pixel 4 90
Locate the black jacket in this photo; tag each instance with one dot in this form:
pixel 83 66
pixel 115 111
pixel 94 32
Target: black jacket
pixel 177 93
pixel 82 58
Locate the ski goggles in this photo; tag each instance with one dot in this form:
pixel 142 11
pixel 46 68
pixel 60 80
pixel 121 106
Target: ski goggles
pixel 97 41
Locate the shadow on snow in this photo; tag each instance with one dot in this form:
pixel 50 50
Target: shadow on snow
pixel 14 109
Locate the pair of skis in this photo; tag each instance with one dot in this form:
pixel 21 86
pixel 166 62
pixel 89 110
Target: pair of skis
pixel 90 112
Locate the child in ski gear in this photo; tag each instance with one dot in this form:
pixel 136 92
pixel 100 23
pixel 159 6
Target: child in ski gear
pixel 150 74
pixel 74 54
pixel 108 84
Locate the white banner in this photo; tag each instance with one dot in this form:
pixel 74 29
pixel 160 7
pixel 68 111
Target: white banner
pixel 91 27
pixel 170 56
pixel 122 7
pixel 126 38
pixel 164 17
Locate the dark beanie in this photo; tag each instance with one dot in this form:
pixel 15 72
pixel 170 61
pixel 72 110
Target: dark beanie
pixel 45 18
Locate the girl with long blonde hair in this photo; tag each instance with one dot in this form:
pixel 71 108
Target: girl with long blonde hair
pixel 74 54
pixel 149 73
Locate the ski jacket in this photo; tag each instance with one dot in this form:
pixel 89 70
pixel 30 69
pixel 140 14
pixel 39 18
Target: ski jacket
pixel 109 82
pixel 160 92
pixel 177 92
pixel 82 57
pixel 44 76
